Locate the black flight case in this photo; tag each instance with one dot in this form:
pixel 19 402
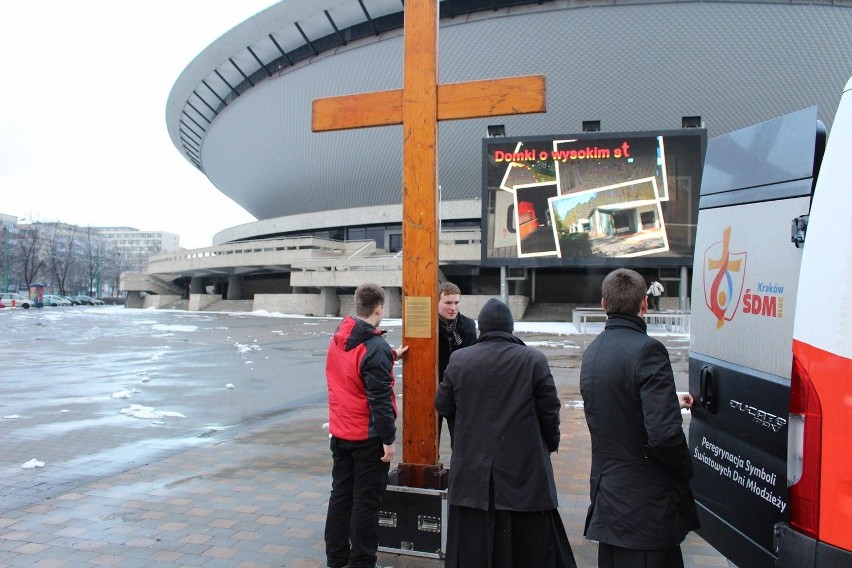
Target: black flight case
pixel 413 521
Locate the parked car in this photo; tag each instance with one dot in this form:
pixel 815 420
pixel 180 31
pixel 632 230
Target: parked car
pixel 54 300
pixel 89 301
pixel 15 300
pixel 71 299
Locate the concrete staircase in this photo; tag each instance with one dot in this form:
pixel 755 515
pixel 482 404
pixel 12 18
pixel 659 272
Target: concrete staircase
pixel 153 284
pixel 177 305
pixel 548 312
pixel 230 306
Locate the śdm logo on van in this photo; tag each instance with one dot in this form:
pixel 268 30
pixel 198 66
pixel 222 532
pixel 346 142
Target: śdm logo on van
pixel 724 272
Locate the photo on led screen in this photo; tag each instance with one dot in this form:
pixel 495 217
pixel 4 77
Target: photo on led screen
pixel 610 196
pixel 528 171
pixel 534 232
pixel 581 164
pixel 623 220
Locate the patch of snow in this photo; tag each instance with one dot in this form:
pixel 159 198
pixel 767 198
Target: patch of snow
pixel 163 327
pixel 149 412
pixel 563 345
pixel 124 393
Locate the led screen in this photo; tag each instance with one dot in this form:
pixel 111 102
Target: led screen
pixel 592 199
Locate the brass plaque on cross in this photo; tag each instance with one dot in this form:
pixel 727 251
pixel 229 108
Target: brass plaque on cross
pixel 418 316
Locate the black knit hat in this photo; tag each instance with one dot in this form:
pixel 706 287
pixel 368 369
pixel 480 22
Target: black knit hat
pixel 495 316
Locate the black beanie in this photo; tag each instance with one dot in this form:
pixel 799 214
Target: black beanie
pixel 495 316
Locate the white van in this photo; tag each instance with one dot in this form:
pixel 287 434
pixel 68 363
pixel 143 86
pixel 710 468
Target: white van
pixel 771 343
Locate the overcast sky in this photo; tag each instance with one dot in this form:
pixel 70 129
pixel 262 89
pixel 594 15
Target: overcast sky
pixel 83 136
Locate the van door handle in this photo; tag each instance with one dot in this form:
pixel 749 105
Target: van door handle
pixel 707 387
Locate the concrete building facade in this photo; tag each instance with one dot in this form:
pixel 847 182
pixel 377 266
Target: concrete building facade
pixel 241 112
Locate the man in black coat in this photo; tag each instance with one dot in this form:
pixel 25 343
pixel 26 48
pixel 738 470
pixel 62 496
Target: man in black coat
pixel 641 503
pixel 502 493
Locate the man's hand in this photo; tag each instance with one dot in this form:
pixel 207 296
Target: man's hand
pixel 685 399
pixel 398 352
pixel 390 450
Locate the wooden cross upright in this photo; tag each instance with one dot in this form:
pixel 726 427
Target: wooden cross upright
pixel 418 106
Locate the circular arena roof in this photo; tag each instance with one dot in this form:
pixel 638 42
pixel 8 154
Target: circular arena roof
pixel 241 111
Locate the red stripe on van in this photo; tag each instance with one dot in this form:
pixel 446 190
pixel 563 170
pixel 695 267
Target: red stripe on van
pixel 821 389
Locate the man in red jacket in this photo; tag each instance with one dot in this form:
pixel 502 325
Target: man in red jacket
pixel 362 423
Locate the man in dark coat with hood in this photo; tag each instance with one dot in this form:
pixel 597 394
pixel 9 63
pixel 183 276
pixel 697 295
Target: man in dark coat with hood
pixel 502 493
pixel 641 504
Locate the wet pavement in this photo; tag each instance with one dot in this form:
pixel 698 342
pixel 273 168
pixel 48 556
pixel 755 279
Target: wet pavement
pixel 171 438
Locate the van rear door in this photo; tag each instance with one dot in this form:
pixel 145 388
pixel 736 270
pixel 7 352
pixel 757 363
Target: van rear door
pixel 745 277
pixel 819 533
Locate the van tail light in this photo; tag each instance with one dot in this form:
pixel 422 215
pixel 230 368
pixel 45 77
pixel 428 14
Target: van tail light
pixel 804 451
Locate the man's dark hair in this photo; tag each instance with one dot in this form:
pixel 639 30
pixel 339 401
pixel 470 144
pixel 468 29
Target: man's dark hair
pixel 448 289
pixel 367 297
pixel 623 291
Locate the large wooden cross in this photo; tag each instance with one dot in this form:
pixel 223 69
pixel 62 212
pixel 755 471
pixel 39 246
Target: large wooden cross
pixel 418 106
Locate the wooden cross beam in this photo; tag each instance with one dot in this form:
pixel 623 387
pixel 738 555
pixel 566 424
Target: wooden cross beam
pixel 418 106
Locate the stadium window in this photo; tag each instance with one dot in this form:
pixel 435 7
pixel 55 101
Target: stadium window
pixel 377 234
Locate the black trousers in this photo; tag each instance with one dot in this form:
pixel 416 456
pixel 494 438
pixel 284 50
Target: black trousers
pixel 358 482
pixel 654 302
pixel 610 556
pixel 449 428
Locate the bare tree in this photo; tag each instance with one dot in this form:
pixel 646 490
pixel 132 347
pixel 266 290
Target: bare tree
pixel 8 240
pixel 112 267
pixel 95 258
pixel 90 258
pixel 60 253
pixel 29 258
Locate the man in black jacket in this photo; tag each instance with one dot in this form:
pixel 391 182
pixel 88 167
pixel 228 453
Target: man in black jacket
pixel 641 504
pixel 502 493
pixel 455 331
